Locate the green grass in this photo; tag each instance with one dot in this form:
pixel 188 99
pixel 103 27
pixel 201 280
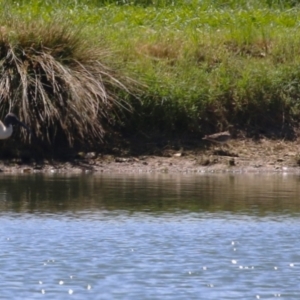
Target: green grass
pixel 202 64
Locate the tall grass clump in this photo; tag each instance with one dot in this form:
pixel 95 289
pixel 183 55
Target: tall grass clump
pixel 57 81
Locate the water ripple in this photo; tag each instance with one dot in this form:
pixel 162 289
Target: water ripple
pixel 132 247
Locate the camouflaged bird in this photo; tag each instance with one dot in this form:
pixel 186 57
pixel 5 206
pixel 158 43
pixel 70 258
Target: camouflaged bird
pixel 220 137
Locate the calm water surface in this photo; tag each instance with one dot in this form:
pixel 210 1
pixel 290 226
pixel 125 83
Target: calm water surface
pixel 150 237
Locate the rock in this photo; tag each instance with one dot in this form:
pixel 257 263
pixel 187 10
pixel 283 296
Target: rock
pixel 80 155
pixel 91 155
pixel 179 154
pixel 121 159
pixel 231 162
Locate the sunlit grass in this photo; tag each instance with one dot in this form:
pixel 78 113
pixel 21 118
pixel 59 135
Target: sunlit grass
pixel 203 64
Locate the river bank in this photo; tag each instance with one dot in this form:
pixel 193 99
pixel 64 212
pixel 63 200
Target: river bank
pixel 165 69
pixel 241 155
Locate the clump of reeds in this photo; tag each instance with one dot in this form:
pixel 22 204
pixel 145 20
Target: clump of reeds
pixel 56 80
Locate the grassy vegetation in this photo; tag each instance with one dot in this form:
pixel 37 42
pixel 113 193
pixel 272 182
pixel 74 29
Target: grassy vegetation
pixel 202 65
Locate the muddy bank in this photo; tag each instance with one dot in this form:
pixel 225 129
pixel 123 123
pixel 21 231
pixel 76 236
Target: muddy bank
pixel 240 156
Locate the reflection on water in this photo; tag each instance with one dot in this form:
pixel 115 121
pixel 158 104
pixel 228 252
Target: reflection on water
pixel 153 193
pixel 149 237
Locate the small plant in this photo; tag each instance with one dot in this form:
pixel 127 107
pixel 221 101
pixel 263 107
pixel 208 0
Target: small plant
pixel 297 159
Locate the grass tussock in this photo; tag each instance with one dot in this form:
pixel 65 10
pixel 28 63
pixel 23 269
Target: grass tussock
pixel 58 82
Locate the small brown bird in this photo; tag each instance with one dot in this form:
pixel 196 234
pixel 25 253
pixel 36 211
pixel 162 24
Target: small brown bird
pixel 220 137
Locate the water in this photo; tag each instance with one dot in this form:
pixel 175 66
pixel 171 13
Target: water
pixel 150 237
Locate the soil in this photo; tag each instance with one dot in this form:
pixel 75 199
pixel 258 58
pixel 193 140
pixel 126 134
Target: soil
pixel 239 156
